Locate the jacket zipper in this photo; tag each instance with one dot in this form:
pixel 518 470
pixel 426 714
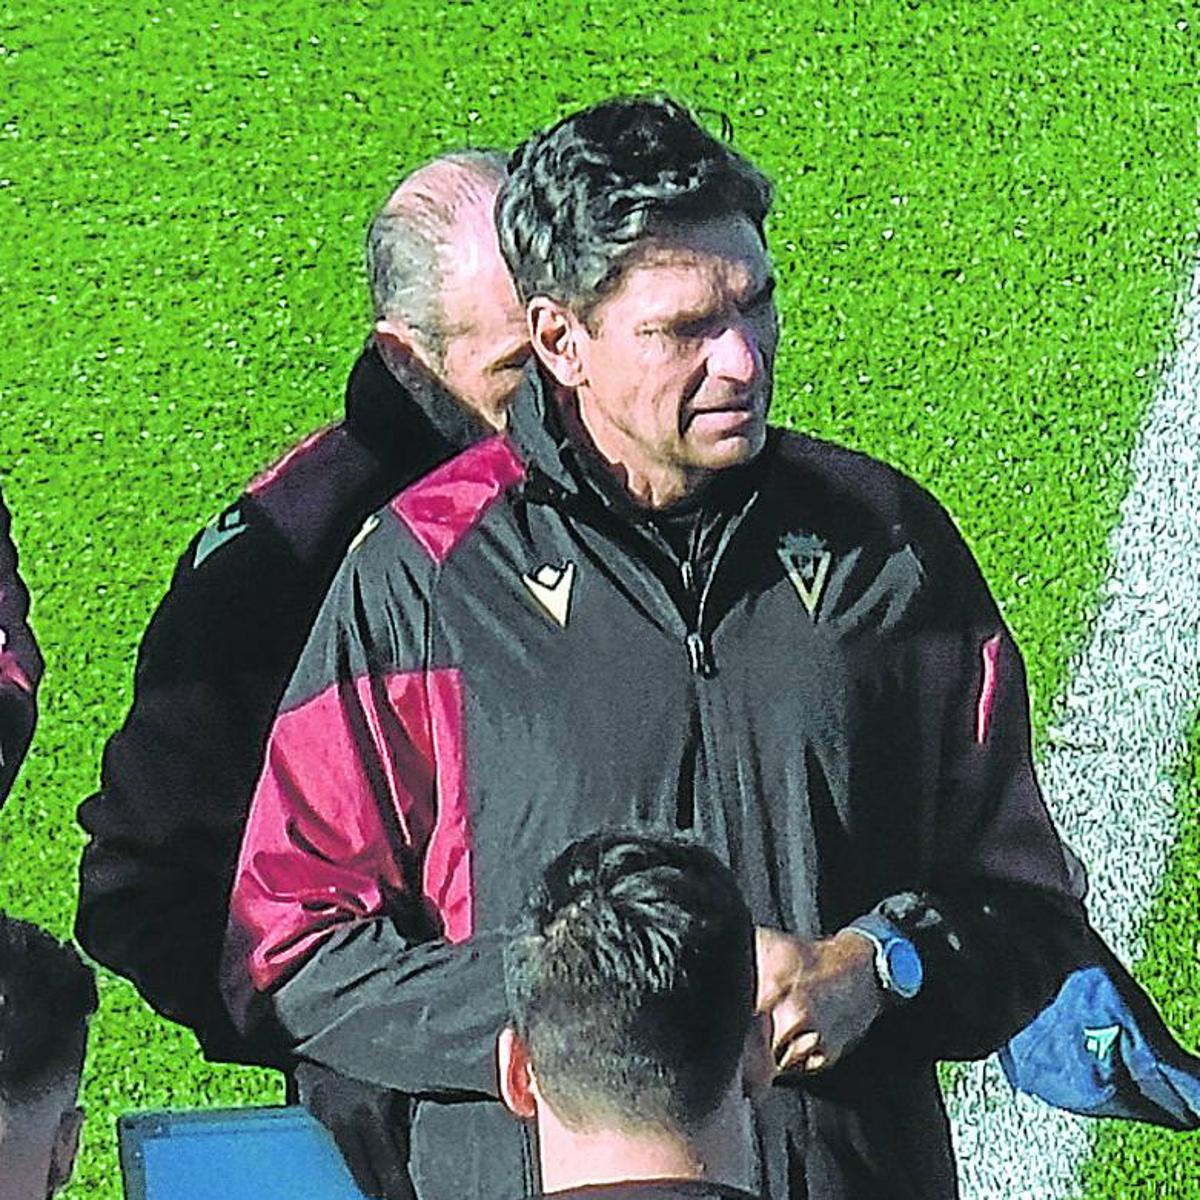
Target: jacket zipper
pixel 693 641
pixel 696 646
pixel 699 651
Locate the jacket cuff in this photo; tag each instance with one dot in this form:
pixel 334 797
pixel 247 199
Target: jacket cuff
pixel 914 915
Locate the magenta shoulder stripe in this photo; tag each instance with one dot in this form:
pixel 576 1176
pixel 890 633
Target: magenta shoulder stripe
pixel 360 782
pixel 444 506
pixel 302 447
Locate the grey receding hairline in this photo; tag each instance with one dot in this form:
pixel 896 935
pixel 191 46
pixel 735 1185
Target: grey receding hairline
pixel 407 239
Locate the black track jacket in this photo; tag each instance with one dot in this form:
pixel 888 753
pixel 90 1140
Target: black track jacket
pixel 177 777
pixel 20 663
pixel 822 691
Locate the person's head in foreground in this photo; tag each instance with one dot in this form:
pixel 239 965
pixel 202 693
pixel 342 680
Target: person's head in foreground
pixel 634 1042
pixel 636 241
pixel 440 291
pixel 46 997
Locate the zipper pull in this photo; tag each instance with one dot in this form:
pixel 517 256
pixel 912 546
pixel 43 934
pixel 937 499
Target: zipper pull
pixel 698 656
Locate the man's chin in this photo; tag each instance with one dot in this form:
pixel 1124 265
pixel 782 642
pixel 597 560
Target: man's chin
pixel 733 448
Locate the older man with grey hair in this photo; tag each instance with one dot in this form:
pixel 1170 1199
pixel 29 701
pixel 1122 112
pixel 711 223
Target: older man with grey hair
pixel 445 352
pixel 435 277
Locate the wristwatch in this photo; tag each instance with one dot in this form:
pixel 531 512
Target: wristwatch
pixel 897 963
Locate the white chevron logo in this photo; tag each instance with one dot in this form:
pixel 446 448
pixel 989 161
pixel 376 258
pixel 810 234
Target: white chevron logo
pixel 220 530
pixel 368 527
pixel 550 586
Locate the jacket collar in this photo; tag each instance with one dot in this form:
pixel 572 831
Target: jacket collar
pixel 537 428
pixel 384 410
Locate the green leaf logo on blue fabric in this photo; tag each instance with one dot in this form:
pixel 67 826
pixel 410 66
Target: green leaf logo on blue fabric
pixel 1100 1042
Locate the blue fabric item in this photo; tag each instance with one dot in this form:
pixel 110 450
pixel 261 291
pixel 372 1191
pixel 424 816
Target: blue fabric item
pixel 1101 1049
pixel 231 1153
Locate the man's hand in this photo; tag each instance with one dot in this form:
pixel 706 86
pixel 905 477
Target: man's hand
pixel 369 1124
pixel 822 996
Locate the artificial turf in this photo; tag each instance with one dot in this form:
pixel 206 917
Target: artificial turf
pixel 1132 1161
pixel 985 213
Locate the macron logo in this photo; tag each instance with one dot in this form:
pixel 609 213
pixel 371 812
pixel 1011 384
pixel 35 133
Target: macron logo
pixel 224 529
pixel 550 586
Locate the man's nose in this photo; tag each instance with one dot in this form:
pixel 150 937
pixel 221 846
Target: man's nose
pixel 736 354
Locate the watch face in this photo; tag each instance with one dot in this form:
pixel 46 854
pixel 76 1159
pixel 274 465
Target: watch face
pixel 904 966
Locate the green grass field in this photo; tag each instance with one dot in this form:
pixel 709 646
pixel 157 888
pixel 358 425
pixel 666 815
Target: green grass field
pixel 985 216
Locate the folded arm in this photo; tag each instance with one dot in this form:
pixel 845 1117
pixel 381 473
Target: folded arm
pixel 351 914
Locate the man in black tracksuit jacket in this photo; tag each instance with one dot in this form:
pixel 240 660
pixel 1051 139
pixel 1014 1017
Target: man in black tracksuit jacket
pixel 640 608
pixel 178 776
pixel 445 734
pixel 20 663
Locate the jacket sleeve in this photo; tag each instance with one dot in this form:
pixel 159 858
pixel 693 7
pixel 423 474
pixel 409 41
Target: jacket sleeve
pixel 351 917
pixel 176 779
pixel 20 663
pixel 996 914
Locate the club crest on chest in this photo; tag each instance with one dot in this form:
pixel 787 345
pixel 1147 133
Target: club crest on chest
pixel 807 560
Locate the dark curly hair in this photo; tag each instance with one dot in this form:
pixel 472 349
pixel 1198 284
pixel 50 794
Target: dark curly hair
pixel 581 194
pixel 632 982
pixel 46 997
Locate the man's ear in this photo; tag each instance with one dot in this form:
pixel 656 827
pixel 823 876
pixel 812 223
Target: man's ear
pixel 758 1065
pixel 401 342
pixel 556 335
pixel 517 1087
pixel 65 1149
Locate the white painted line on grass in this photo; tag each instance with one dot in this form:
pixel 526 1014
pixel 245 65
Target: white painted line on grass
pixel 1107 769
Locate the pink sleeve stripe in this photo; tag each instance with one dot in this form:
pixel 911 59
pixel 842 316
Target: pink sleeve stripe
pixel 444 506
pixel 987 688
pixel 447 881
pixel 276 469
pixel 362 797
